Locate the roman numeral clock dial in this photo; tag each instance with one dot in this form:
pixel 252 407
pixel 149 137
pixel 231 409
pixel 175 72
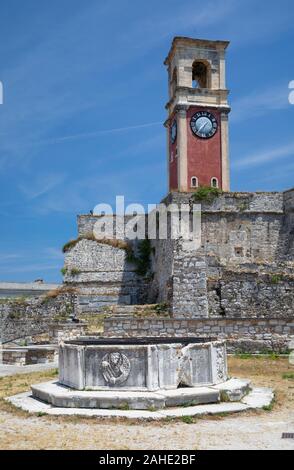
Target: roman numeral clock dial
pixel 203 124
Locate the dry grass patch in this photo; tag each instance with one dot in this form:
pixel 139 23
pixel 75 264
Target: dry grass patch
pixel 266 371
pixel 115 243
pixel 262 371
pixel 14 384
pixel 63 290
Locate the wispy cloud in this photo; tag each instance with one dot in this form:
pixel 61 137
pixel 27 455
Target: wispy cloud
pixel 93 134
pixel 265 156
pixel 49 83
pixel 42 185
pixel 260 102
pixel 280 175
pixel 4 257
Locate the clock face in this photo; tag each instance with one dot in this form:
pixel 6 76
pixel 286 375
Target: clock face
pixel 203 124
pixel 173 131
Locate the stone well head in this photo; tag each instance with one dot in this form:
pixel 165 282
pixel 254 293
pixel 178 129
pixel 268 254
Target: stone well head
pixel 141 363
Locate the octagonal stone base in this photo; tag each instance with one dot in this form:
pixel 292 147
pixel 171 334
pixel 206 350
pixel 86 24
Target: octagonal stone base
pixel 157 364
pixel 53 399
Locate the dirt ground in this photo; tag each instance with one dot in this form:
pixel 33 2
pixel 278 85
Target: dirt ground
pixel 248 430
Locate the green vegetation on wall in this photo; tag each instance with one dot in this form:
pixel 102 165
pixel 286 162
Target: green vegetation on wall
pixel 206 193
pixel 142 260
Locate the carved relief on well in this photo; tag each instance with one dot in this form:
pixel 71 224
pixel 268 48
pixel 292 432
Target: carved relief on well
pixel 115 368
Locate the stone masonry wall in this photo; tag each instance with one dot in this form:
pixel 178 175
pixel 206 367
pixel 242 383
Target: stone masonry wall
pixel 247 247
pixel 238 228
pixel 288 231
pixel 251 294
pixel 103 276
pixel 250 335
pixel 25 318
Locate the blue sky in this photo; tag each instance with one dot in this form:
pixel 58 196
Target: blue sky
pixel 84 95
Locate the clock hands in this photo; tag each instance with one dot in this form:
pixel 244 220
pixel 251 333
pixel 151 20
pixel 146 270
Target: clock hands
pixel 202 127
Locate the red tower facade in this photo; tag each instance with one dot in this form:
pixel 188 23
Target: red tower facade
pixel 197 124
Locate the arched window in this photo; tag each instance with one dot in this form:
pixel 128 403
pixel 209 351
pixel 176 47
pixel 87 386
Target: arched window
pixel 200 74
pixel 194 182
pixel 214 183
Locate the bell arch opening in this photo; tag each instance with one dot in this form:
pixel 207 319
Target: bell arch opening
pixel 200 74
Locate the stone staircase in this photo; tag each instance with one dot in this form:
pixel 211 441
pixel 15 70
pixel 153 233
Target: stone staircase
pixel 94 319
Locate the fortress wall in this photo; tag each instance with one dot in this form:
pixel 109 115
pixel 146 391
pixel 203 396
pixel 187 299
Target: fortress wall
pixel 249 335
pixel 101 272
pixel 238 228
pixel 21 318
pixel 250 294
pixel 244 245
pixel 289 223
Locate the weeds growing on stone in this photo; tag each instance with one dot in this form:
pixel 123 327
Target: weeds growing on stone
pixel 187 419
pixel 288 376
pixel 206 193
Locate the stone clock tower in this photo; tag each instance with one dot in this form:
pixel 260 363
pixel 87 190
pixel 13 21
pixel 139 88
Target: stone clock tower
pixel 197 124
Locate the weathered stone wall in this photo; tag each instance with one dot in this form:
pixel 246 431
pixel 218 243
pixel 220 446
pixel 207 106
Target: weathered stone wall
pixel 162 267
pixel 30 355
pixel 247 241
pixel 255 334
pixel 239 228
pixel 288 229
pixel 25 318
pixel 251 294
pixel 103 276
pixel 189 286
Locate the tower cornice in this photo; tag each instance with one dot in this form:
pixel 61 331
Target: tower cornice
pixel 186 41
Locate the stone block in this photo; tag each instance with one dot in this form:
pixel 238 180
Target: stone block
pixel 233 389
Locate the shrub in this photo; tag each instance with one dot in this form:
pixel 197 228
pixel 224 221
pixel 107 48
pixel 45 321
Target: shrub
pixel 206 193
pixel 275 279
pixel 74 271
pixel 142 260
pixel 288 376
pixel 187 419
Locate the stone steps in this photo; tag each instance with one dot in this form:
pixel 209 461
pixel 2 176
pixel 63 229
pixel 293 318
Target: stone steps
pixel 258 398
pixel 126 310
pixel 96 303
pixel 59 396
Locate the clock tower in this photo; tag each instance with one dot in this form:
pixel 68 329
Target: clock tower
pixel 197 124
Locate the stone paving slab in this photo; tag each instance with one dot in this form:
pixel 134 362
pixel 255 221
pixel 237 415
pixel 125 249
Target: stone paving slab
pixel 233 389
pixel 212 408
pixel 191 395
pixel 60 396
pixel 257 398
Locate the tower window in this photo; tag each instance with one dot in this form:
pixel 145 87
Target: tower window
pixel 194 182
pixel 199 75
pixel 214 183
